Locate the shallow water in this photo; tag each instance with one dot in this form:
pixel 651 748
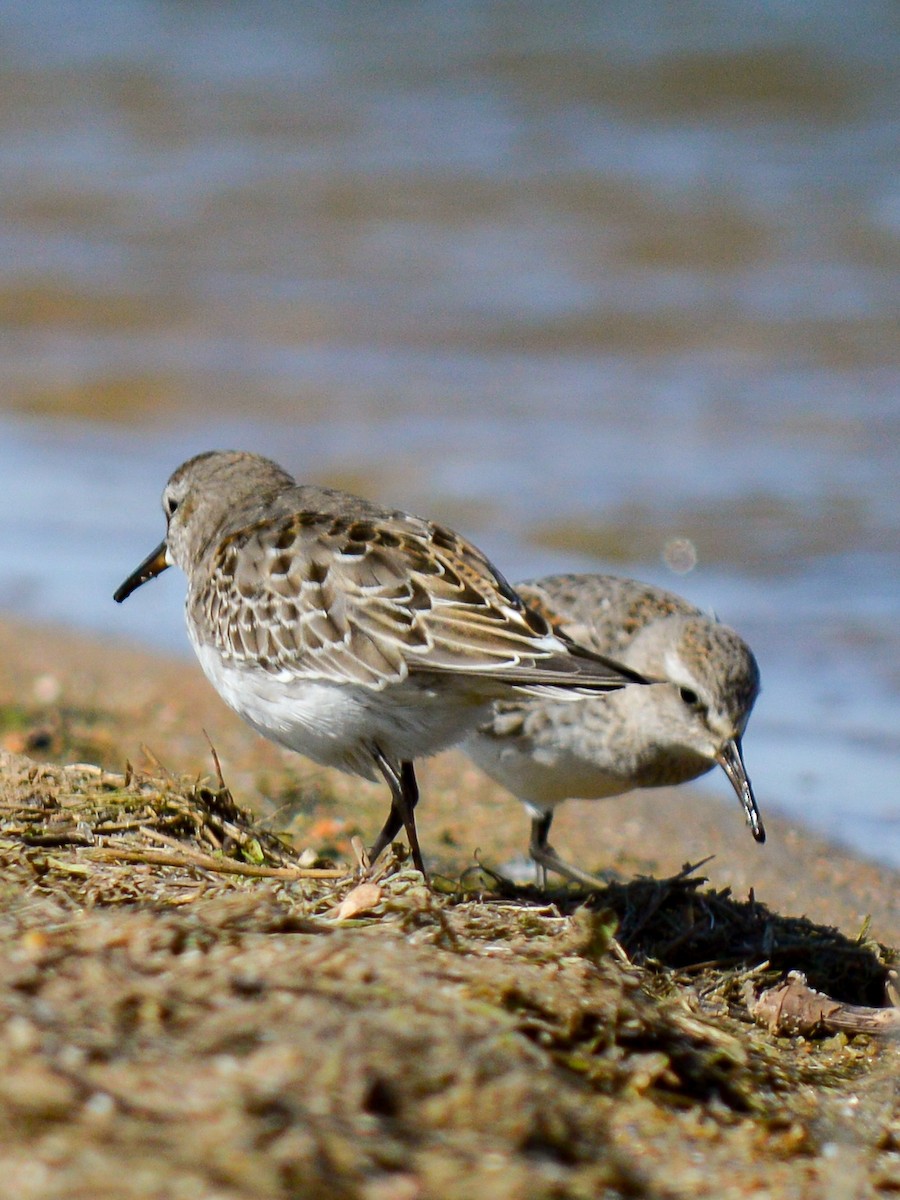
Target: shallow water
pixel 603 290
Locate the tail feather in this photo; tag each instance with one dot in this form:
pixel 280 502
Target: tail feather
pixel 581 655
pixel 575 670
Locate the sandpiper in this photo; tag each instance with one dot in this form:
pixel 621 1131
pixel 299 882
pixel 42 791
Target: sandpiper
pixel 359 636
pixel 545 752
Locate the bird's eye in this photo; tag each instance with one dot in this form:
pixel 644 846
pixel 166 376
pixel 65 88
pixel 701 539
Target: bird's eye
pixel 170 504
pixel 690 697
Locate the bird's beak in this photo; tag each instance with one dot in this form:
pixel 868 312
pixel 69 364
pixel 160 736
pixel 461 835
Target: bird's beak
pixel 154 564
pixel 730 760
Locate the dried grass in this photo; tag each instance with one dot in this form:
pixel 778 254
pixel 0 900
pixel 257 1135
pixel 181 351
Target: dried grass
pixel 190 1008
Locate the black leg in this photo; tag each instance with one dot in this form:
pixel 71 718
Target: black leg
pixel 540 831
pixel 546 858
pixel 389 831
pixel 404 798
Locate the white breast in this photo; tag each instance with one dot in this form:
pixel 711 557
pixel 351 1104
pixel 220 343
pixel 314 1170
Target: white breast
pixel 337 724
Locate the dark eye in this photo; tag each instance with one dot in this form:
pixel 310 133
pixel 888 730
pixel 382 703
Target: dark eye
pixel 170 504
pixel 691 699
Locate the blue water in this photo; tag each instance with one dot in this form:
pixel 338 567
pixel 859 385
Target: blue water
pixel 577 280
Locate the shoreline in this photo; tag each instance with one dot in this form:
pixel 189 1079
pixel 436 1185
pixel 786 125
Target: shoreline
pixel 112 698
pixel 188 1008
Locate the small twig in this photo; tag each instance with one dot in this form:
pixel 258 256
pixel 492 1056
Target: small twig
pixel 794 1007
pixel 66 838
pixel 360 853
pixel 618 951
pixel 206 862
pixel 155 761
pixel 157 835
pixel 689 869
pixel 113 827
pixel 215 757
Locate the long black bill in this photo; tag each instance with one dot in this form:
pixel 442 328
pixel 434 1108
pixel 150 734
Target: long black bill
pixel 731 762
pixel 154 564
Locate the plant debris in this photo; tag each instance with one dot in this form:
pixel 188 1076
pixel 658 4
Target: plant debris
pixel 190 1007
pixel 793 1007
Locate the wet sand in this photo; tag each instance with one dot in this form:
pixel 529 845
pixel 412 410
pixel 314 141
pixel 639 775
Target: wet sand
pixel 185 1015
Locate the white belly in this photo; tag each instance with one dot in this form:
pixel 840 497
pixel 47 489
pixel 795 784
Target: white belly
pixel 542 776
pixel 337 724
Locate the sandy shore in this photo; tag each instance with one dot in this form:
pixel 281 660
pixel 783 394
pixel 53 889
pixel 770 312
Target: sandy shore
pixel 105 701
pixel 186 1012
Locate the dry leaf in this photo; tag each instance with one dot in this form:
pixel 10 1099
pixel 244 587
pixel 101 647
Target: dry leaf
pixel 361 899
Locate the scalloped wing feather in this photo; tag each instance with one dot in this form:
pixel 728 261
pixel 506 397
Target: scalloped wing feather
pixel 362 601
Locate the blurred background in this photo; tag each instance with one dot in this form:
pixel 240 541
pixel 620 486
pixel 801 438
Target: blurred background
pixel 605 285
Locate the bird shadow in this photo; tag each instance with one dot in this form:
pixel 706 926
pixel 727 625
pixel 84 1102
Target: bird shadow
pixel 678 924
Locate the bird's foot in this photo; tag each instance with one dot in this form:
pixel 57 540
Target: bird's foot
pixel 546 859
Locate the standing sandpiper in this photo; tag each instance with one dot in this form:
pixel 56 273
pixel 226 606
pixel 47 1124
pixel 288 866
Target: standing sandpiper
pixel 358 636
pixel 545 752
